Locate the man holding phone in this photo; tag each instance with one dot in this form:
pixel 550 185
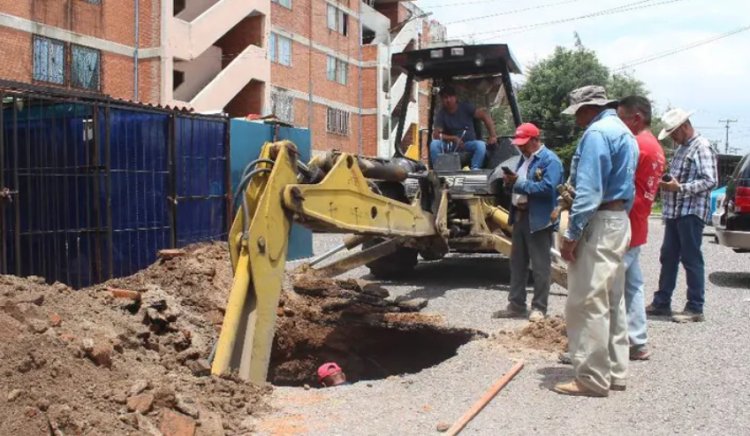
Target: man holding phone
pixel 534 197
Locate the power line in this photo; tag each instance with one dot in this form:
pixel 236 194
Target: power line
pixel 616 10
pixel 514 11
pixel 673 51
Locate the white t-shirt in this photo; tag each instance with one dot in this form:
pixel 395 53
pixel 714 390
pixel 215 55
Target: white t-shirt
pixel 522 176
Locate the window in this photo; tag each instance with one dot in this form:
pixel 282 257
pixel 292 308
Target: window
pixel 280 49
pixel 178 6
pixel 282 105
pixel 337 20
pixel 95 2
pixel 49 60
pixel 285 3
pixel 336 70
pixel 85 67
pixel 337 121
pixel 178 77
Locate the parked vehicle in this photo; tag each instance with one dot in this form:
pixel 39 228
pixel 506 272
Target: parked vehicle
pixel 733 227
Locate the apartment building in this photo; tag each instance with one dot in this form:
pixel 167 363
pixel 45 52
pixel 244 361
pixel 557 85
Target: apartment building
pixel 102 46
pixel 320 64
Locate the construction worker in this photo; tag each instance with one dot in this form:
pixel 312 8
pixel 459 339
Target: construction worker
pixel 538 173
pixel 602 174
pixel 330 374
pixel 454 128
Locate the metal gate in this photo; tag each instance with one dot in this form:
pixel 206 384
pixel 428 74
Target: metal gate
pixel 92 188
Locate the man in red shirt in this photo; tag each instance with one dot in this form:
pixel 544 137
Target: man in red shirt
pixel 635 112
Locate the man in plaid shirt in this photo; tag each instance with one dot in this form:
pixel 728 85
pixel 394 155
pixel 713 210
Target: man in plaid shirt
pixel 686 205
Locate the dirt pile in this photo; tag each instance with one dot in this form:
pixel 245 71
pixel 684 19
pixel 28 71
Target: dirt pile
pixel 548 335
pixel 126 357
pixel 356 325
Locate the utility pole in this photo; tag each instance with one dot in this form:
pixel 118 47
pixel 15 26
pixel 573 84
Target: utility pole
pixel 726 142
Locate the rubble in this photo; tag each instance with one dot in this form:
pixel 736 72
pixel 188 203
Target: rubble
pixel 141 403
pixel 176 424
pixel 79 361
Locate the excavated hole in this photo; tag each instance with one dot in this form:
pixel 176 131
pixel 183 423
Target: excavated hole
pixel 364 352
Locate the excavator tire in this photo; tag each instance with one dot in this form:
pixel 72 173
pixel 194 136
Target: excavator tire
pixel 404 259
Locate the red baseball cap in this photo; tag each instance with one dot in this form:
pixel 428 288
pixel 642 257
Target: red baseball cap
pixel 524 133
pixel 328 369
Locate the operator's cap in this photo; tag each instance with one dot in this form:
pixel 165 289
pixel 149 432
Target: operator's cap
pixel 524 133
pixel 328 369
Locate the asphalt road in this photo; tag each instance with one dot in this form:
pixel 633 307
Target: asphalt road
pixel 696 382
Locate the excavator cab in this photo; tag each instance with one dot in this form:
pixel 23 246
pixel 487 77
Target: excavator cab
pixel 480 74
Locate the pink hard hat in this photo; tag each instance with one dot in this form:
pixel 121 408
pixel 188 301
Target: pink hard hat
pixel 328 369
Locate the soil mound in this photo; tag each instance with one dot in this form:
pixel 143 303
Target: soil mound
pixel 125 357
pixel 547 335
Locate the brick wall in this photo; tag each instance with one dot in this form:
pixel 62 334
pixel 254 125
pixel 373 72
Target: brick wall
pixel 110 20
pixel 310 65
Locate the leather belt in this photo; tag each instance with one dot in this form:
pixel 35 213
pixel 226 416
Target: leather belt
pixel 615 205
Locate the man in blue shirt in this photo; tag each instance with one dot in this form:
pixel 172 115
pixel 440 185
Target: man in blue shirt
pixel 537 174
pixel 454 128
pixel 602 174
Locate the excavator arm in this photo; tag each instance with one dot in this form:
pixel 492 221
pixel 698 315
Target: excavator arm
pixel 343 201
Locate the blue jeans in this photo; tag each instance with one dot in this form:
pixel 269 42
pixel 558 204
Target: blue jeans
pixel 478 150
pixel 634 303
pixel 682 242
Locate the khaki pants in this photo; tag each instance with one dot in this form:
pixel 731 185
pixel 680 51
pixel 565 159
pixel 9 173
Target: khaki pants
pixel 595 309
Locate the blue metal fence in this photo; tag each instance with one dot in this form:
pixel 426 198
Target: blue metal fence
pixel 91 188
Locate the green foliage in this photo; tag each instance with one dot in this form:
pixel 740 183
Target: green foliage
pixel 623 85
pixel 503 118
pixel 544 94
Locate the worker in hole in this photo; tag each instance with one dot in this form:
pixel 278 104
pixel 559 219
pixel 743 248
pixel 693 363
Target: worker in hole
pixel 330 375
pixel 454 128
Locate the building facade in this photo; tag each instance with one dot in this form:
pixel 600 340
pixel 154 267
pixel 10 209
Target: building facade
pixel 320 64
pixel 101 46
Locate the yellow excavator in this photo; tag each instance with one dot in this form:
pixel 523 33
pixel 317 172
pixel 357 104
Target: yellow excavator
pixel 396 209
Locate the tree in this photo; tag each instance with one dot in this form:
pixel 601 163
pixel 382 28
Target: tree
pixel 544 95
pixel 623 85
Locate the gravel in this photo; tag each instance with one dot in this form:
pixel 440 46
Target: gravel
pixel 695 383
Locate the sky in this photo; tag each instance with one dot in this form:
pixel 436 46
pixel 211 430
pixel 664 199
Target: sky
pixel 712 79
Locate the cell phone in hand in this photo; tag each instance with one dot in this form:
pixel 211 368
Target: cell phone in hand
pixel 507 171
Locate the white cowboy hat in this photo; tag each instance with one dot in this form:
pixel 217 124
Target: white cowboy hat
pixel 591 95
pixel 673 119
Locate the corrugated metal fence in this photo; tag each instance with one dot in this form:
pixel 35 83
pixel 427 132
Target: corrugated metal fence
pixel 93 188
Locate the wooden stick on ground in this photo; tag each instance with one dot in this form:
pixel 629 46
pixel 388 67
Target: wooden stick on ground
pixel 486 398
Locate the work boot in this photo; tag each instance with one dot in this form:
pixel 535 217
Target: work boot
pixel 639 352
pixel 536 315
pixel 510 311
pixel 576 388
pixel 688 316
pixel 654 310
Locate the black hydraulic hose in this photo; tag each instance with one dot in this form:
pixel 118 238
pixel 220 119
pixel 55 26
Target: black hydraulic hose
pixel 244 182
